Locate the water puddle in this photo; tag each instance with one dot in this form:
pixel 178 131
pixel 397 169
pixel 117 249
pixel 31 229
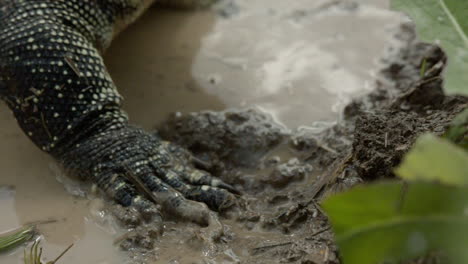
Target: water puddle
pixel 297 60
pixel 30 192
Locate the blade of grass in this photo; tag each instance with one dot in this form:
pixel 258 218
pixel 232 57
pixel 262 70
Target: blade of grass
pixel 422 72
pixel 16 237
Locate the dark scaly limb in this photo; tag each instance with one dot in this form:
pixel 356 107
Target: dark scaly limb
pixel 55 82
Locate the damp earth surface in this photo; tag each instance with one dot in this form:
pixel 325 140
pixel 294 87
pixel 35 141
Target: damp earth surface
pixel 286 100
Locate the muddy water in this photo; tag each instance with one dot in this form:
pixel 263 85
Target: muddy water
pixel 299 60
pixel 34 194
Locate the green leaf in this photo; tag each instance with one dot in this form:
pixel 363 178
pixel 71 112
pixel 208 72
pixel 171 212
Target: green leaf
pixel 458 131
pixel 446 23
pixel 435 159
pixel 16 238
pixel 393 221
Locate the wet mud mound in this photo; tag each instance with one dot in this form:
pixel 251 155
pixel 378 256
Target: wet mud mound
pixel 277 218
pixel 390 119
pixel 284 175
pixel 383 137
pixel 236 137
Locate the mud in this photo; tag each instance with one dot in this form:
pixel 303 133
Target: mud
pixel 383 137
pixel 298 64
pixel 282 198
pixel 276 219
pixel 386 128
pixel 236 137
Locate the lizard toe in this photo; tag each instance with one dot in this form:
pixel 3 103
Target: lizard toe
pixel 124 193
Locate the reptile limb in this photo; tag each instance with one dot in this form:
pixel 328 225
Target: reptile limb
pixel 54 80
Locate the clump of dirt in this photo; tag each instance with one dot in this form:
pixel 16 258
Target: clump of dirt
pixel 388 121
pixel 127 216
pixel 378 129
pixel 288 172
pixel 230 138
pixel 323 144
pixel 383 137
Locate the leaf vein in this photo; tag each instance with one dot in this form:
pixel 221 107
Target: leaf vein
pixel 454 22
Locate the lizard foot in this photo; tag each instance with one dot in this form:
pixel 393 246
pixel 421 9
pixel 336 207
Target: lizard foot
pixel 138 169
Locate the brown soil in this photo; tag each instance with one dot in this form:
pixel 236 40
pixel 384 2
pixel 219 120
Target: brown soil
pixel 386 129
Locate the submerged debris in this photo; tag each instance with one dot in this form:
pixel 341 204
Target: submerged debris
pixel 33 256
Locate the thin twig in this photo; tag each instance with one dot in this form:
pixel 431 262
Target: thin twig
pixel 203 164
pixel 42 222
pixel 327 252
pixel 318 207
pixel 63 253
pixel 87 88
pixel 429 80
pixel 272 246
pixel 318 233
pixel 140 185
pixel 73 66
pixel 401 198
pixel 45 125
pixel 386 139
pixel 123 237
pixel 326 147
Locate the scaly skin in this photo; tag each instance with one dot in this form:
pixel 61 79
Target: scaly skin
pixel 55 82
